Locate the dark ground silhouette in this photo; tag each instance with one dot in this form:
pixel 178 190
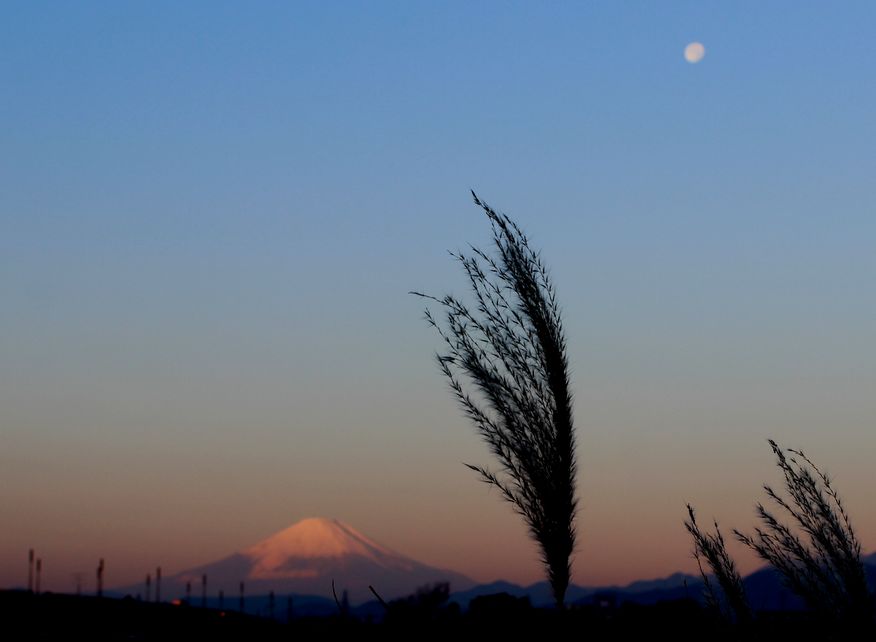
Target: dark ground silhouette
pixel 27 616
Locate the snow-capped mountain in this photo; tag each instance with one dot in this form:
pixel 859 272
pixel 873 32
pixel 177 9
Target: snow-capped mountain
pixel 304 559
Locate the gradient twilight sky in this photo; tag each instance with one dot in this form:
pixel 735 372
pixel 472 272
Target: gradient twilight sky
pixel 211 215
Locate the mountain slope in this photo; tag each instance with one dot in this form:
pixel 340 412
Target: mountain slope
pixel 764 588
pixel 304 559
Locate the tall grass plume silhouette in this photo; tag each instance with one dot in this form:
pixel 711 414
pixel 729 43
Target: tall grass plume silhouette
pixel 827 571
pixel 512 348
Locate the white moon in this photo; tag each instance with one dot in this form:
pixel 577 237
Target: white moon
pixel 694 52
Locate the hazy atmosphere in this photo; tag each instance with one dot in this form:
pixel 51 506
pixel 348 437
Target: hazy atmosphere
pixel 211 218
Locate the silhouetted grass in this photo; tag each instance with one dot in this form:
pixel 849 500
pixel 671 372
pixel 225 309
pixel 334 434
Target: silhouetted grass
pixel 511 346
pixel 711 548
pixel 823 566
pixel 818 555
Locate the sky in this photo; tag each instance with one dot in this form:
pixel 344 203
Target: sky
pixel 211 215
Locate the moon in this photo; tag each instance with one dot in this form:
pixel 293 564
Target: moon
pixel 694 52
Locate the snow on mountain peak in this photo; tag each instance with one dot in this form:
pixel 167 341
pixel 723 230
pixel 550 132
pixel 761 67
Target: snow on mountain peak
pixel 315 538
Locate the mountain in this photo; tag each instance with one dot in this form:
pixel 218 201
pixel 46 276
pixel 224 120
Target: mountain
pixel 642 592
pixel 764 588
pixel 303 560
pixel 674 581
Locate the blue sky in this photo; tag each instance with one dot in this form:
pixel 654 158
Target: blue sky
pixel 210 216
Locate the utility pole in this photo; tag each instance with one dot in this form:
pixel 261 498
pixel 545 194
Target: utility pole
pixel 100 578
pixel 158 584
pixel 30 559
pixel 77 578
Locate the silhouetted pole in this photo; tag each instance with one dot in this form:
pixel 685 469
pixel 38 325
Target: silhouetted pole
pixel 241 597
pixel 271 604
pixel 39 572
pixel 100 578
pixel 158 584
pixel 204 590
pixel 148 587
pixel 221 599
pixel 30 559
pixel 188 592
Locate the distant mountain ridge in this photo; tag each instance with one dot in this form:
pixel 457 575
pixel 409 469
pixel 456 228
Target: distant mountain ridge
pixel 674 586
pixel 305 559
pixel 301 561
pixel 763 587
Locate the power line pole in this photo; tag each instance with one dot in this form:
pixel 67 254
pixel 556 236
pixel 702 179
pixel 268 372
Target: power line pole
pixel 100 578
pixel 30 559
